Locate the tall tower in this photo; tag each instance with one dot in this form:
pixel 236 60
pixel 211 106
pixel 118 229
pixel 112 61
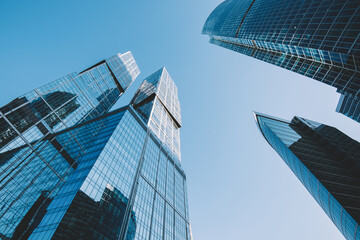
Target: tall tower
pixel 318 39
pixel 157 102
pixel 325 160
pixel 67 101
pixel 124 183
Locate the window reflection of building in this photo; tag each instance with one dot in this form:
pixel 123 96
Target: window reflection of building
pixel 84 219
pixel 33 159
pixel 89 219
pixel 27 115
pixel 107 175
pixel 66 101
pixel 32 217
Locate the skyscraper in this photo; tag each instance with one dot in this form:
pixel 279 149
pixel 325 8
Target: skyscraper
pixel 318 39
pixel 156 101
pixel 123 181
pixel 28 123
pixel 66 101
pixel 325 160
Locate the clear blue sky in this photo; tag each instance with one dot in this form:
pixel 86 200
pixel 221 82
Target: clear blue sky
pixel 239 188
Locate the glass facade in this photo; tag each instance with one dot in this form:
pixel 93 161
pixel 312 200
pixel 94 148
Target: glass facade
pixel 65 102
pixel 318 39
pixel 325 160
pixel 157 102
pixel 105 177
pixel 349 105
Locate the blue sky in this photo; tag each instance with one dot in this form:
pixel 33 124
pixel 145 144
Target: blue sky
pixel 238 187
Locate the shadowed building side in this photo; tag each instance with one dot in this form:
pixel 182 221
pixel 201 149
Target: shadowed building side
pixel 325 160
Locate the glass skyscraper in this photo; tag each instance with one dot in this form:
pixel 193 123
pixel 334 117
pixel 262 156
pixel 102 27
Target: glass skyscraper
pixel 102 175
pixel 157 102
pixel 316 38
pixel 66 101
pixel 325 160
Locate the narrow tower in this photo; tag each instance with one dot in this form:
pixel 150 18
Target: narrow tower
pixel 325 160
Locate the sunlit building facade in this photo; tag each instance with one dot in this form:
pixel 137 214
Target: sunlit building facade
pixel 325 160
pixel 156 101
pixel 66 101
pixel 112 178
pixel 318 39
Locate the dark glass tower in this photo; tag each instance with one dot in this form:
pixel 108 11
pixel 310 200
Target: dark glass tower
pixel 325 160
pixel 316 38
pixel 123 182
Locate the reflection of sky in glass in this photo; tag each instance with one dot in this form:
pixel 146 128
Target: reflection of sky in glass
pixel 318 166
pixel 157 102
pixel 281 129
pixel 222 149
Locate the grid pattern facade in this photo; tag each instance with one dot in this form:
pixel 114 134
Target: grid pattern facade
pixel 124 68
pixel 319 39
pixel 105 177
pixel 65 102
pixel 157 102
pixel 29 179
pixel 134 171
pixel 349 105
pixel 326 162
pixel 33 163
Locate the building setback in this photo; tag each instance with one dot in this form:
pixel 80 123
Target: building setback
pixel 315 38
pixel 104 176
pixel 325 160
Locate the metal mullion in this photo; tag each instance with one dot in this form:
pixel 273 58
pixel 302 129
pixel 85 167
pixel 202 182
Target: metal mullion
pixel 13 163
pixel 16 108
pixel 155 191
pixel 331 26
pixel 94 80
pixel 86 98
pixel 83 92
pixel 162 196
pixel 133 191
pixel 337 76
pixel 307 27
pixel 349 80
pixel 34 141
pixel 29 144
pixel 103 78
pixel 59 118
pixel 57 85
pixel 167 162
pixel 342 33
pixel 57 107
pixel 54 188
pixel 184 193
pixel 40 147
pixel 27 163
